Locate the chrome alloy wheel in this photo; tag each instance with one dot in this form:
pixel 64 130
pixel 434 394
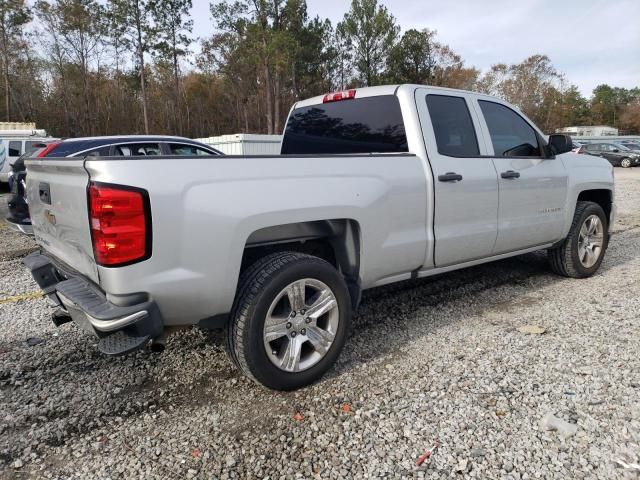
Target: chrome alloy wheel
pixel 301 325
pixel 590 241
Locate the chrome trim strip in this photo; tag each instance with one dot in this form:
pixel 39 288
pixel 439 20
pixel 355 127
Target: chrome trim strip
pixel 105 325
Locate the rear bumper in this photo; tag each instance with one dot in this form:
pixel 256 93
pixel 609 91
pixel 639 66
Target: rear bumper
pixel 120 328
pixel 22 227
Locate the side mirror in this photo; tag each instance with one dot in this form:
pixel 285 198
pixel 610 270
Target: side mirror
pixel 616 150
pixel 560 143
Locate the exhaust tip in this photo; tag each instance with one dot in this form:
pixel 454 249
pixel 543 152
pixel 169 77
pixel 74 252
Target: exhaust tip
pixel 157 347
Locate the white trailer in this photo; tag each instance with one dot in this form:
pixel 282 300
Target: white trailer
pixel 17 138
pixel 245 144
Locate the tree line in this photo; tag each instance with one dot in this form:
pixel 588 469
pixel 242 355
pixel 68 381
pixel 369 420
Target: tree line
pixel 88 67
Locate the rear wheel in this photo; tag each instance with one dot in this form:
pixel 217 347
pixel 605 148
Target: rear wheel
pixel 625 163
pixel 582 252
pixel 289 321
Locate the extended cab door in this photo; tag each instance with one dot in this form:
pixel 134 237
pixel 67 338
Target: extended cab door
pixel 532 188
pixel 466 184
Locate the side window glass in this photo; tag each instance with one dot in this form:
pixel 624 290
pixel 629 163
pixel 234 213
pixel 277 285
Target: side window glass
pixel 185 149
pixel 510 134
pixel 15 149
pixel 99 152
pixel 137 149
pixel 452 126
pixel 32 146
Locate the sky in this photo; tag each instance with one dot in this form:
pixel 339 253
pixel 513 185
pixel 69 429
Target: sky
pixel 591 41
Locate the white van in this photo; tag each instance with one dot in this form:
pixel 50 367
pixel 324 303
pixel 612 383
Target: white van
pixel 11 147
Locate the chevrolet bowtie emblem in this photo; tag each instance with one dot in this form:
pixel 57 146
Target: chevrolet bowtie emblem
pixel 51 218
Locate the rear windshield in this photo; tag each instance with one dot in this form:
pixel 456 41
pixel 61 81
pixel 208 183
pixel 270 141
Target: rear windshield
pixel 362 125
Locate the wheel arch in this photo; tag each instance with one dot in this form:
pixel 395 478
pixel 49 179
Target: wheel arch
pixel 338 241
pixel 601 196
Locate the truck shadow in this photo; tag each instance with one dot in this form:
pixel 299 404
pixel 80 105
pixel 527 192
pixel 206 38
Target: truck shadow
pixel 393 315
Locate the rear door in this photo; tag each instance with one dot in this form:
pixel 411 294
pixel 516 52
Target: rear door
pixel 57 194
pixel 532 188
pixel 466 184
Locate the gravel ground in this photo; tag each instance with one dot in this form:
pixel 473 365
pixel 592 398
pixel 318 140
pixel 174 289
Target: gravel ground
pixel 436 362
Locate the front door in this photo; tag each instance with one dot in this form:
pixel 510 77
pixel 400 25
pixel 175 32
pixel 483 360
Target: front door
pixel 532 188
pixel 465 181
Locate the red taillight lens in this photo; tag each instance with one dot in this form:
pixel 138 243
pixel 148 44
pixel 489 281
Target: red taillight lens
pixel 337 96
pixel 47 149
pixel 120 224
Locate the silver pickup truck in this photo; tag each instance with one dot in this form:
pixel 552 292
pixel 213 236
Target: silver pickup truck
pixel 374 185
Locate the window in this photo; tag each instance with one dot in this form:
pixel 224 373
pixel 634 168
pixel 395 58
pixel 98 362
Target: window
pixel 593 147
pixel 99 152
pixel 361 125
pixel 510 134
pixel 137 149
pixel 32 146
pixel 452 126
pixel 186 149
pixel 15 148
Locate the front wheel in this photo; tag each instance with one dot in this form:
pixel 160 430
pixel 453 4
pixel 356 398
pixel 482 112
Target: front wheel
pixel 582 252
pixel 289 321
pixel 625 163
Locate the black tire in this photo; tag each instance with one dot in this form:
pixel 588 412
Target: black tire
pixel 626 163
pixel 564 259
pixel 259 286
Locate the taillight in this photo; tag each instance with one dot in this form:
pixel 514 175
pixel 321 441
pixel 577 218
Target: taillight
pixel 120 224
pixel 47 149
pixel 337 96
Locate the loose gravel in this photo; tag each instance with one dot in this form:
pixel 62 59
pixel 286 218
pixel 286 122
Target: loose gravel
pixel 436 370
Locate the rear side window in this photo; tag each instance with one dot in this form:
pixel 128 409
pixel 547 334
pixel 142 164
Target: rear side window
pixel 187 149
pixel 15 149
pixel 510 134
pixel 99 152
pixel 32 146
pixel 452 126
pixel 361 125
pixel 137 149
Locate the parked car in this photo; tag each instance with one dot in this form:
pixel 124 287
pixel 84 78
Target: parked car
pixel 616 153
pixel 376 185
pixel 632 145
pixel 90 147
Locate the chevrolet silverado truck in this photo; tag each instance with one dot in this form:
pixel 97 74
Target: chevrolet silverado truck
pixel 373 186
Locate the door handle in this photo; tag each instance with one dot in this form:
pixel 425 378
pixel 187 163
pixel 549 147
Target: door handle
pixel 450 177
pixel 510 174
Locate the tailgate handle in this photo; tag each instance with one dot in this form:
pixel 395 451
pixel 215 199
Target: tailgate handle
pixel 44 191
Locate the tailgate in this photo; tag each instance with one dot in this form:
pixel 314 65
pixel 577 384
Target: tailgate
pixel 57 195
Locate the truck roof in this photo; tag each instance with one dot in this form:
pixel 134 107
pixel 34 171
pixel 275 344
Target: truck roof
pixel 363 92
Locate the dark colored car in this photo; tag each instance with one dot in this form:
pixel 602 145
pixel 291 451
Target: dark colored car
pixel 616 153
pixel 631 145
pixel 126 145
